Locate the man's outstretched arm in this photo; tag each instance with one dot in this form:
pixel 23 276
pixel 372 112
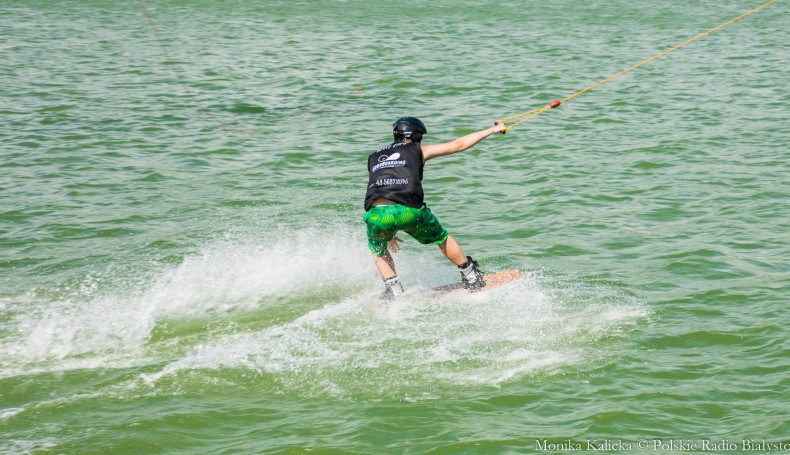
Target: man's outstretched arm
pixel 459 145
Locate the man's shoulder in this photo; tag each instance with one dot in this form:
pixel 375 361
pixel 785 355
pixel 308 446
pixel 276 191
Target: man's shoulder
pixel 401 148
pixel 414 146
pixel 388 147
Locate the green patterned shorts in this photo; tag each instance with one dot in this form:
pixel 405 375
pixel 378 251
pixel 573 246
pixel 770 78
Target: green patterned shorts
pixel 384 221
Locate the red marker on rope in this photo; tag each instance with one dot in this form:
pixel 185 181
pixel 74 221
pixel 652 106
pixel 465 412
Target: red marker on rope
pixel 532 113
pixel 535 112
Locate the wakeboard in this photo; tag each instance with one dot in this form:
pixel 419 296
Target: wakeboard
pixel 493 281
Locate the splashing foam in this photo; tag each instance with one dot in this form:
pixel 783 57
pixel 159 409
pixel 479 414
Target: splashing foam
pixel 359 346
pixel 340 340
pixel 230 276
pixel 114 330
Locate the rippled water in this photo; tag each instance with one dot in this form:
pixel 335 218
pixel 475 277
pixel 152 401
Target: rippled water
pixel 172 285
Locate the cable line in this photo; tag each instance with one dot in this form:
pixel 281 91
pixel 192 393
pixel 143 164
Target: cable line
pixel 535 112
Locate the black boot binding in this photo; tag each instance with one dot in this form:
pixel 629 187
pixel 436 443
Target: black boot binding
pixel 471 275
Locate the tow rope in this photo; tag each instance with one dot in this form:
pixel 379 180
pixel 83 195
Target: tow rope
pixel 535 112
pixel 170 62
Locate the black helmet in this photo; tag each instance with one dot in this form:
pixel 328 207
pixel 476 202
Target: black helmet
pixel 409 128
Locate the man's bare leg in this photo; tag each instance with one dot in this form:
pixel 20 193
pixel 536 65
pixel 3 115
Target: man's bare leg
pixel 470 274
pixel 452 251
pixel 392 285
pixel 386 265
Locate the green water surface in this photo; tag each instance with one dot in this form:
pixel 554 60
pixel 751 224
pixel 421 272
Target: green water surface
pixel 169 284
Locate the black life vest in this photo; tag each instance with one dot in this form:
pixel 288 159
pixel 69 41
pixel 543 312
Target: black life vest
pixel 396 174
